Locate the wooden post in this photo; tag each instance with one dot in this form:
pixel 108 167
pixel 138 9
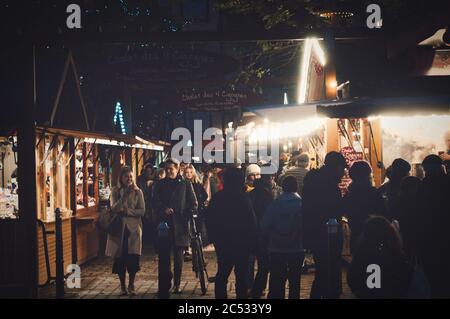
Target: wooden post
pixel 376 150
pixel 332 136
pixel 85 176
pixel 73 197
pixel 26 168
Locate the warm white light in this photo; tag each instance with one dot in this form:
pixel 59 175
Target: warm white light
pixel 333 84
pixel 276 131
pixel 309 45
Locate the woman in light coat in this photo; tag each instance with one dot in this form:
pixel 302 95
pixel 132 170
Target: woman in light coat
pixel 128 201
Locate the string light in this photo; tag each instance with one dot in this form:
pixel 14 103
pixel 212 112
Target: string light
pixel 118 118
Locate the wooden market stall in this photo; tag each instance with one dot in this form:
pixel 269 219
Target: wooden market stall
pixel 75 173
pixel 96 159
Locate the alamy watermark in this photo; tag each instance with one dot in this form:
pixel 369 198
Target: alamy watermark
pixel 231 147
pixel 374 279
pixel 374 20
pixel 74 279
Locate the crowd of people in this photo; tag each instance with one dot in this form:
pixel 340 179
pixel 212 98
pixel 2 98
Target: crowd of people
pixel 268 222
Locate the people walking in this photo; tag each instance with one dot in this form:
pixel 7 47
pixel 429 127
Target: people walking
pixel 174 200
pixel 125 246
pixel 283 225
pixel 231 225
pixel 322 201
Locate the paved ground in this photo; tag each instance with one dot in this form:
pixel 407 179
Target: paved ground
pixel 99 283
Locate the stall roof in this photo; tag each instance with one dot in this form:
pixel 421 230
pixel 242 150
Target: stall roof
pixel 288 113
pixel 109 138
pixel 390 106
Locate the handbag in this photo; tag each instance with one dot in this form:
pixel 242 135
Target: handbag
pixel 111 223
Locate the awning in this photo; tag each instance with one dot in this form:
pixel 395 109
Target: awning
pixel 392 106
pixel 287 113
pixel 114 139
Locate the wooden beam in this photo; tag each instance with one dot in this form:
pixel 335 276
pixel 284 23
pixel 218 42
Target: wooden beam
pixel 85 36
pixel 26 168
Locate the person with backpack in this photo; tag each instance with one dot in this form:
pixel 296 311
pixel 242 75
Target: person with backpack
pixel 282 223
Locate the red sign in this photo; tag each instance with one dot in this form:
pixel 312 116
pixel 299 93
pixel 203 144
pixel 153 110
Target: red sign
pixel 350 156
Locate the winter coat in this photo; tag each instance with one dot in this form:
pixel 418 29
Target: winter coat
pixel 282 223
pixel 360 202
pixel 396 277
pixel 179 195
pixel 321 201
pixel 434 198
pixel 131 220
pixel 231 222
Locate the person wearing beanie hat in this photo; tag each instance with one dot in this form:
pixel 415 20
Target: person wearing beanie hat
pixel 362 200
pixel 252 173
pixel 299 171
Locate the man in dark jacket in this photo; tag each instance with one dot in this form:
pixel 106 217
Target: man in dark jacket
pixel 232 228
pixel 434 197
pixel 261 198
pixel 283 225
pixel 322 201
pixel 362 200
pixel 174 199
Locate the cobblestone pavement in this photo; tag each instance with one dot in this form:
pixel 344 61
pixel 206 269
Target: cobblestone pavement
pixel 97 281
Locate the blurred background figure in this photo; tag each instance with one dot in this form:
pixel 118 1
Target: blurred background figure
pixel 299 170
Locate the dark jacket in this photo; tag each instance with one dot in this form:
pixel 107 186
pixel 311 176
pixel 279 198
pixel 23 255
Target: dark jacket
pixel 179 195
pixel 231 222
pixel 360 202
pixel 261 198
pixel 434 197
pixel 322 200
pixel 201 196
pixel 390 191
pixel 396 274
pixel 283 224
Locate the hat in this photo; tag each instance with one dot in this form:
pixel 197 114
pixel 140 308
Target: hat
pixel 252 169
pixel 335 159
pixel 302 159
pixel 360 170
pixel 400 168
pixel 432 162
